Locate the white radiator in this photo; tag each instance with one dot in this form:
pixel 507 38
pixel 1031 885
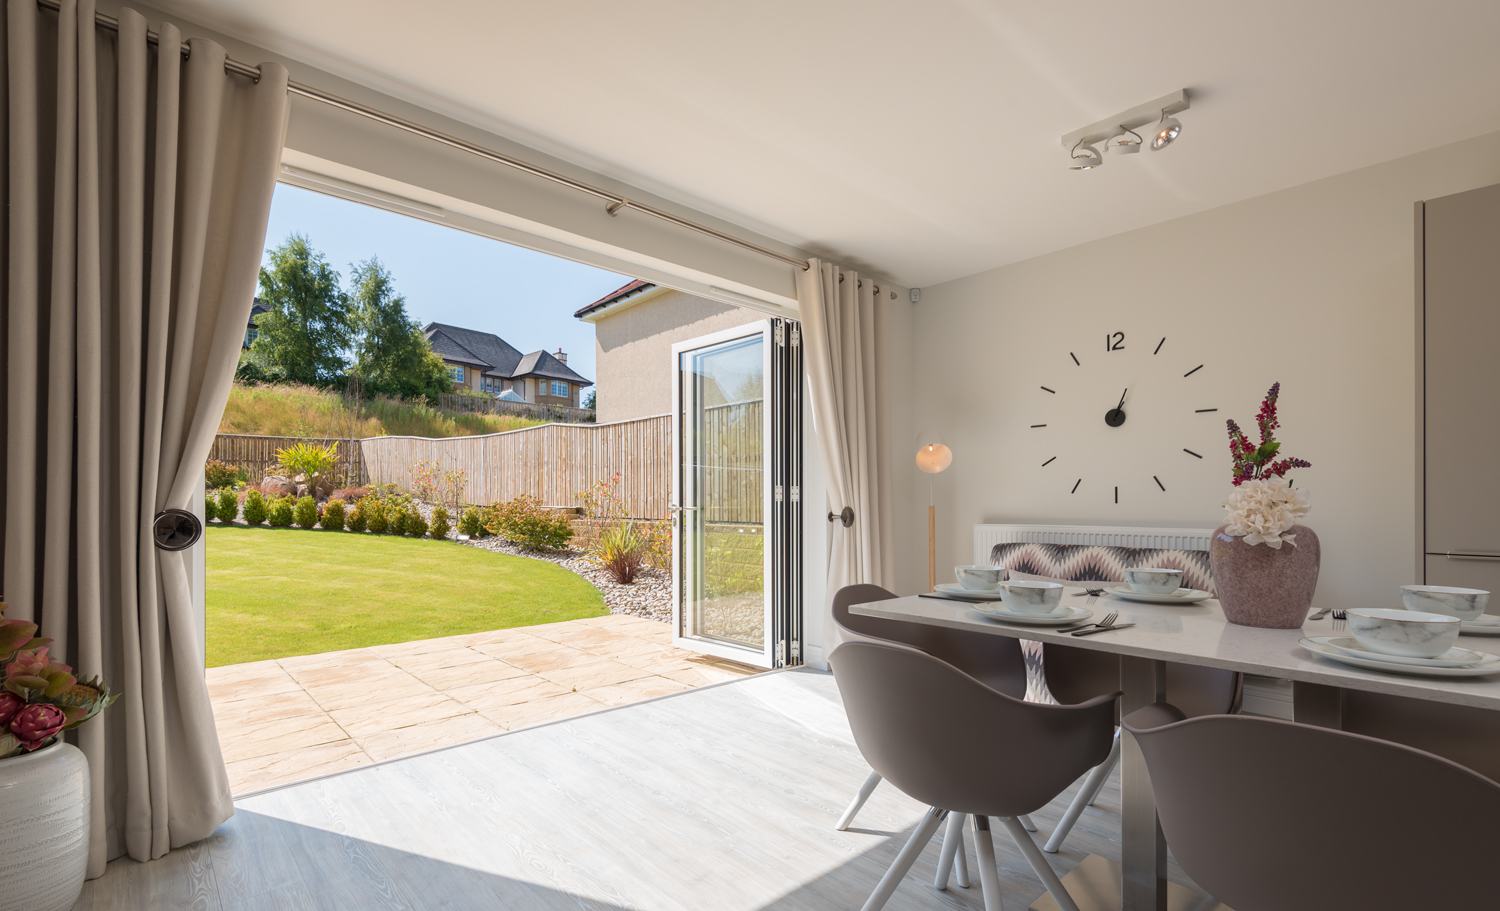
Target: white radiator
pixel 987 536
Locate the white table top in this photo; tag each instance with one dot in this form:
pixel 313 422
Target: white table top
pixel 1199 634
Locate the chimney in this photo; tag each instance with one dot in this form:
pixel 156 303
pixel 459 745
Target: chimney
pixel 562 358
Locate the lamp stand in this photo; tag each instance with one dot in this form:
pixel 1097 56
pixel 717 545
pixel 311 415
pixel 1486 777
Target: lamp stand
pixel 931 538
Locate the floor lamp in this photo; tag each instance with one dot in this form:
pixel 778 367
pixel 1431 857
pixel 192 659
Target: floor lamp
pixel 932 457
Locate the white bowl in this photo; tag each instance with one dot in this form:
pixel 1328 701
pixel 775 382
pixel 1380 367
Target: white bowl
pixel 1463 603
pixel 1410 634
pixel 980 578
pixel 1031 597
pixel 1152 581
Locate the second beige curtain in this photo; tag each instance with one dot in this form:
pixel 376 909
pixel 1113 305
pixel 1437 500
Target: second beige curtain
pixel 843 328
pixel 138 187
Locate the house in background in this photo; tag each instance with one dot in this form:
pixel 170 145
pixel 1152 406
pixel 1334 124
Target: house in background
pixel 485 363
pixel 635 327
pixel 252 330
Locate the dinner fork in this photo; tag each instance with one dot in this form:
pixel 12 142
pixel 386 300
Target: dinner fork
pixel 1111 618
pixel 1338 620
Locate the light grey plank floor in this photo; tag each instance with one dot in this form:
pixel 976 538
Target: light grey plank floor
pixel 720 798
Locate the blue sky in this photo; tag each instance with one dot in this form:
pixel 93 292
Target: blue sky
pixel 449 276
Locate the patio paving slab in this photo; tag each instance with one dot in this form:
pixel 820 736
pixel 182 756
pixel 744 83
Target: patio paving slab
pixel 295 718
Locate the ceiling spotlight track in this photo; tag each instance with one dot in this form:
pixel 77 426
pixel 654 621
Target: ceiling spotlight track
pixel 1118 133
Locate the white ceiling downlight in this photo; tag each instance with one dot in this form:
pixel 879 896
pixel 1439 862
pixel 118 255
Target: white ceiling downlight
pixel 1085 158
pixel 1119 135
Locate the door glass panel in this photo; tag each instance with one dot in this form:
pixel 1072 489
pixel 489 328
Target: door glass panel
pixel 723 487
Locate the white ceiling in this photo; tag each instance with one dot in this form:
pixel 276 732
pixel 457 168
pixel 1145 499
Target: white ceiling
pixel 920 139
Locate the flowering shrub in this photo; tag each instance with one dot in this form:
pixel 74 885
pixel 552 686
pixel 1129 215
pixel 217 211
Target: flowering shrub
pixel 41 697
pixel 1256 462
pixel 525 523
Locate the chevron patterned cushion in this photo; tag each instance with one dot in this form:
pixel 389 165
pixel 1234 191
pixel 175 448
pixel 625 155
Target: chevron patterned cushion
pixel 1074 563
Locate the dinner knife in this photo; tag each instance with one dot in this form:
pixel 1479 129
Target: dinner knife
pixel 1103 629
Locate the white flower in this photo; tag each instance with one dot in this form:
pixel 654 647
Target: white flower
pixel 1262 511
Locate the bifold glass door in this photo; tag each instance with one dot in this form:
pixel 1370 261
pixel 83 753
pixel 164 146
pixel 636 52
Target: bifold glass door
pixel 736 499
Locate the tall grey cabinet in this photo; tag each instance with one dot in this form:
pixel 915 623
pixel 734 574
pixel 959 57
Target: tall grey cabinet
pixel 1458 330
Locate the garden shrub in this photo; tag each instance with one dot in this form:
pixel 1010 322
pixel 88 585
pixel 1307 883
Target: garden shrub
pixel 373 510
pixel 398 520
pixel 355 521
pixel 469 523
pixel 621 551
pixel 280 513
pixel 526 524
pixel 350 494
pixel 221 474
pixel 229 505
pixel 305 513
pixel 333 515
pixel 416 526
pixel 439 526
pixel 256 508
pixel 312 462
pixel 210 507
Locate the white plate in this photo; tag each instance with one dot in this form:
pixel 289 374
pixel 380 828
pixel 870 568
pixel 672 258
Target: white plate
pixel 1453 657
pixel 953 588
pixel 1061 617
pixel 1480 626
pixel 1319 646
pixel 1181 596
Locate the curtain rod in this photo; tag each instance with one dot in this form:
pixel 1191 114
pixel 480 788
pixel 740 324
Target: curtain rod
pixel 614 202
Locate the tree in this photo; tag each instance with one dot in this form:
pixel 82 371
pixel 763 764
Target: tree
pixel 304 336
pixel 391 354
pixel 590 401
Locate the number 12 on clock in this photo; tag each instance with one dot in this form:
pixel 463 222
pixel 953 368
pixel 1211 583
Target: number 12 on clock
pixel 1114 341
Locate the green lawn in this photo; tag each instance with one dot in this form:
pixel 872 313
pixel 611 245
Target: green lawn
pixel 276 592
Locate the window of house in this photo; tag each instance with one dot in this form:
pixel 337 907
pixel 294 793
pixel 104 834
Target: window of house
pixel 457 373
pixel 559 389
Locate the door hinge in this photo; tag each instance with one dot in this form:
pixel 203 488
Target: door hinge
pixel 780 333
pixel 781 654
pixel 796 494
pixel 796 653
pixel 796 336
pixel 778 493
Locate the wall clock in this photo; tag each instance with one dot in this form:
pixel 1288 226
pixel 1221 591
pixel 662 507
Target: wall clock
pixel 1116 420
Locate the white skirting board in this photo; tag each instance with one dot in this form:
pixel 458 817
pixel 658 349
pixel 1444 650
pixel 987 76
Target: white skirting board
pixel 987 536
pixel 1270 697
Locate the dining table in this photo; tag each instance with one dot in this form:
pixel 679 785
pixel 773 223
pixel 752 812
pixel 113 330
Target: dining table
pixel 1196 634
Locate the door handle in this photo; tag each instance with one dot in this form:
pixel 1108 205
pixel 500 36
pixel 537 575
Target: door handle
pixel 1453 556
pixel 675 508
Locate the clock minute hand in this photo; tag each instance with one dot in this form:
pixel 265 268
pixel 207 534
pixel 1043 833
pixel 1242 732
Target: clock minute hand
pixel 1122 399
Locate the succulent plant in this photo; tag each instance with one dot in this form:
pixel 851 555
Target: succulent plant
pixel 32 675
pixel 37 723
pixel 17 635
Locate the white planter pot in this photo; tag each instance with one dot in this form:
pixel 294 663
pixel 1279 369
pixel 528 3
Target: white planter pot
pixel 44 829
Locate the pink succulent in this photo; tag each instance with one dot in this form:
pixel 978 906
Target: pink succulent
pixel 32 673
pixel 36 724
pixel 10 704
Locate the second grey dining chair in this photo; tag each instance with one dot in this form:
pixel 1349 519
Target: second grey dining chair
pixel 1270 815
pixel 959 746
pixel 994 660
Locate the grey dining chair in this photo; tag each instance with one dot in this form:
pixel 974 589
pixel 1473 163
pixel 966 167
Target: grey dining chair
pixel 948 740
pixel 1270 815
pixel 1076 674
pixel 995 660
pixel 1469 736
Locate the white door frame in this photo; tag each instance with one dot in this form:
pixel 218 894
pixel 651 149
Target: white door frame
pixel 766 656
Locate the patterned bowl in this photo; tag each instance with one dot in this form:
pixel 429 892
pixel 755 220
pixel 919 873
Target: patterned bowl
pixel 1402 632
pixel 1463 603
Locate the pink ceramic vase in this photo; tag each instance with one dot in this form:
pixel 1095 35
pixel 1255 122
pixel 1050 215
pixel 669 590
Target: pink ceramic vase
pixel 1259 586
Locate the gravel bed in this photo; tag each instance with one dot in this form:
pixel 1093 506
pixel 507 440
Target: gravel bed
pixel 650 596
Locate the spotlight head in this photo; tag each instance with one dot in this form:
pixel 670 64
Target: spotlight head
pixel 1085 158
pixel 1167 130
pixel 1127 143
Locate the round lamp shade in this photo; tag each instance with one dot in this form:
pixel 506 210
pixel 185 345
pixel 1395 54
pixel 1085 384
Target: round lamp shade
pixel 932 454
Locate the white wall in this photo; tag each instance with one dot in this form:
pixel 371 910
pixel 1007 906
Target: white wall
pixel 1311 286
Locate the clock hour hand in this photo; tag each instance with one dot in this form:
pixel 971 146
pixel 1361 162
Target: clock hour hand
pixel 1116 415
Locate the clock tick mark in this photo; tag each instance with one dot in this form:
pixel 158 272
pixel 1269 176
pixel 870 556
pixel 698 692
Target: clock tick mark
pixel 1053 391
pixel 1159 344
pixel 1049 461
pixel 1075 359
pixel 1158 482
pixel 1192 453
pixel 1075 486
pixel 1193 371
pixel 1117 494
pixel 1205 410
pixel 1035 426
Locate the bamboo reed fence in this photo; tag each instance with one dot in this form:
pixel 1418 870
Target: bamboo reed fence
pixel 554 462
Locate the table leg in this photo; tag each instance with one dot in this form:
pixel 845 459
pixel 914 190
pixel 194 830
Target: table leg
pixel 1315 703
pixel 1143 847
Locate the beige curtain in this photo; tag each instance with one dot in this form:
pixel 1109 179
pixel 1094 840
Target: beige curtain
pixel 138 185
pixel 843 331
